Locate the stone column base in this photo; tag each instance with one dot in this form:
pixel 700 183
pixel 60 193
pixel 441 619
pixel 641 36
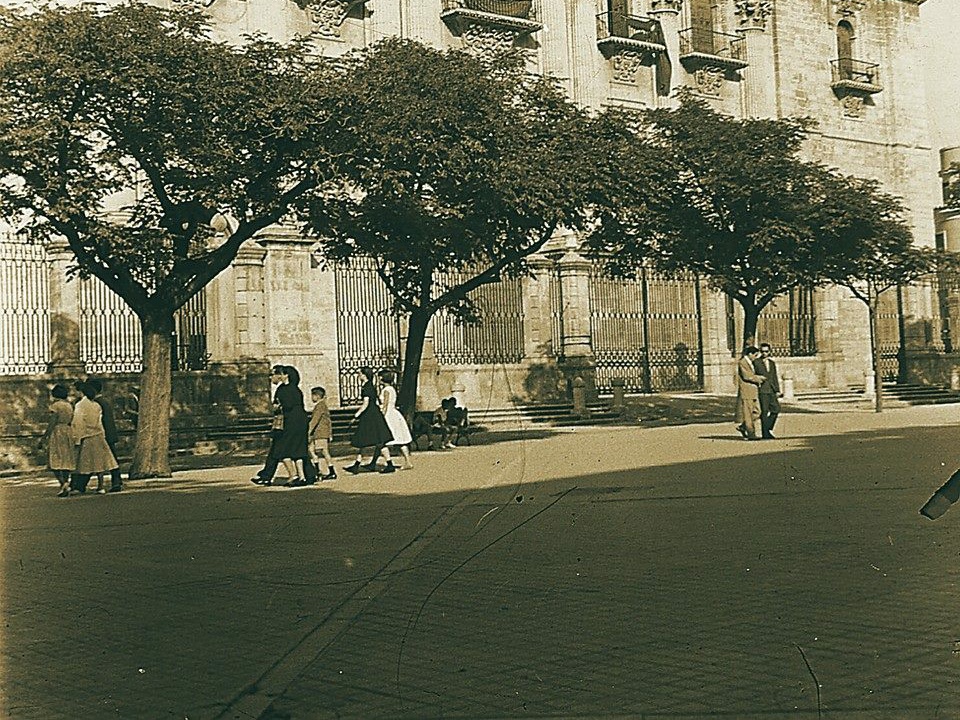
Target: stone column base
pixel 584 367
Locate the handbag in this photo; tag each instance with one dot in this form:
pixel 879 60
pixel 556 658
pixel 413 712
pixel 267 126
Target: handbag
pixel 277 423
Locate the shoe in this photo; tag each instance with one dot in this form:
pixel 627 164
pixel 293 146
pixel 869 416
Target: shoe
pixel 451 445
pixel 101 491
pixel 257 480
pixel 769 436
pixel 354 469
pixel 369 467
pixel 329 476
pixel 296 482
pixel 388 468
pixel 63 493
pixel 118 488
pixel 742 430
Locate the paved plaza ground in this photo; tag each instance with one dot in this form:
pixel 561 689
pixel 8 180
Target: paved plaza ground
pixel 668 572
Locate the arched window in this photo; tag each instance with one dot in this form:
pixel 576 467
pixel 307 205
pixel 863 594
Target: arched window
pixel 845 38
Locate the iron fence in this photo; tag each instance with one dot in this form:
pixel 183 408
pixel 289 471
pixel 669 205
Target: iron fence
pixel 646 331
pixel 24 308
pixel 788 323
pixel 368 331
pixel 497 339
pixel 703 41
pixel 889 333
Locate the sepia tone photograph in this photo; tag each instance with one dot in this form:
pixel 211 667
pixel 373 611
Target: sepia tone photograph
pixel 479 359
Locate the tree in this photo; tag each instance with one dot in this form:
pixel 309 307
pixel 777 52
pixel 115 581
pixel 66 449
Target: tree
pixel 876 253
pixel 453 163
pixel 136 110
pixel 736 205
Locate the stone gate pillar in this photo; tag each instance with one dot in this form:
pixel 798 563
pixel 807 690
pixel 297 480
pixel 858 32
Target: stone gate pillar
pixel 64 310
pixel 578 358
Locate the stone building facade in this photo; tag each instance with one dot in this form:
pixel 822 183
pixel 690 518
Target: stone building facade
pixel 852 65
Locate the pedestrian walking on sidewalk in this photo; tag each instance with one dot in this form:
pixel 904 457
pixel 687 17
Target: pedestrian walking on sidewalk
pixel 748 396
pixel 109 431
pixel 395 420
pixel 372 430
pixel 769 390
pixel 320 434
pixel 94 456
pixel 291 445
pixel 61 451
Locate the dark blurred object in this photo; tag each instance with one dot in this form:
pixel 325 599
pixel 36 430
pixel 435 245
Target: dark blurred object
pixel 943 498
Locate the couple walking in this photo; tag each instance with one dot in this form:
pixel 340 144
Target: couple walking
pixel 758 389
pixel 380 424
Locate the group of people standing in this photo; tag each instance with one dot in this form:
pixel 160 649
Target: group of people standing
pixel 301 440
pixel 758 393
pixel 81 439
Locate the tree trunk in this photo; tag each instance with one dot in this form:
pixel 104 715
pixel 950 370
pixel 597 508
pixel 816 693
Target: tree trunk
pixel 875 355
pixel 412 355
pixel 751 314
pixel 151 452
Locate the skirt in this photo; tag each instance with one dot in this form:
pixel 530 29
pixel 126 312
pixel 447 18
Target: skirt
pixel 398 427
pixel 371 430
pixel 95 456
pixel 291 442
pixel 62 452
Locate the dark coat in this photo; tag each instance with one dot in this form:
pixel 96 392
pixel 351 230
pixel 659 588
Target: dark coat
pixel 109 422
pixel 771 382
pixel 292 440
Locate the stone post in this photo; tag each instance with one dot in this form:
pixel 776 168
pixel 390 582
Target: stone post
pixel 759 76
pixel 667 12
pixel 300 310
pixel 578 358
pixel 580 408
pixel 619 395
pixel 65 359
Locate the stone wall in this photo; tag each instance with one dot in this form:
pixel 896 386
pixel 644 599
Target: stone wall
pixel 214 398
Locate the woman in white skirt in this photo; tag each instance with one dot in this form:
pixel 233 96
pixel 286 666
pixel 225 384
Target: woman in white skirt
pixel 396 423
pixel 93 453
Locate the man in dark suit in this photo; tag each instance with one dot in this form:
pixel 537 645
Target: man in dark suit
pixel 769 390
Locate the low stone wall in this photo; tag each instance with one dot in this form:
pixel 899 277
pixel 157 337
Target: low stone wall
pixel 201 400
pixel 932 368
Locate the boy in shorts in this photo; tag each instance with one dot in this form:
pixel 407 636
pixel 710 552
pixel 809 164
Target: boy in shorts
pixel 320 433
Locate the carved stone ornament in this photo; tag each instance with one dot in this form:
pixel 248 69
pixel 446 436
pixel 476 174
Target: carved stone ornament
pixel 753 14
pixel 625 65
pixel 666 6
pixel 852 106
pixel 709 80
pixel 195 3
pixel 850 7
pixel 486 41
pixel 328 15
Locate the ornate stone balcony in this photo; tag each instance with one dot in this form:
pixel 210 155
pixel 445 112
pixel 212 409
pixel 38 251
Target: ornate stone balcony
pixel 856 76
pixel 699 48
pixel 617 32
pixel 513 16
pixel 328 15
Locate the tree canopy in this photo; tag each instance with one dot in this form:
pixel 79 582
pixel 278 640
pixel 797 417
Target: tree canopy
pixel 125 129
pixel 454 163
pixel 741 207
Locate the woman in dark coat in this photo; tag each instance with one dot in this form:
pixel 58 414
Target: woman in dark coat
pixel 291 444
pixel 372 429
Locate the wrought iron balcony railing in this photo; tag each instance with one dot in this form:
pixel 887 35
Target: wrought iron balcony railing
pixel 702 46
pixel 629 27
pixel 505 8
pixel 850 74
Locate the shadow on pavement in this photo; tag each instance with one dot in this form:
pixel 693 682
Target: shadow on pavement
pixel 675 588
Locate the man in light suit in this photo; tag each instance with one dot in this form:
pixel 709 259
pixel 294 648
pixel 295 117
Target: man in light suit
pixel 769 390
pixel 748 386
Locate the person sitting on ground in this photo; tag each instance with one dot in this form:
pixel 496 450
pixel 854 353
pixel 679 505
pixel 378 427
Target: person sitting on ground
pixel 457 419
pixel 442 424
pixel 321 433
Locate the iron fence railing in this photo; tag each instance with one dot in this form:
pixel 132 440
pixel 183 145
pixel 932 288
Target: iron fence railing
pixel 857 71
pixel 24 308
pixel 507 8
pixel 788 323
pixel 715 44
pixel 632 27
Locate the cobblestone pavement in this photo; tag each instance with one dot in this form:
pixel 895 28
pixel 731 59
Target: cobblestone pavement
pixel 674 572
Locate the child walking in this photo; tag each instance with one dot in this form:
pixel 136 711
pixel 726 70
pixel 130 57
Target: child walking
pixel 321 433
